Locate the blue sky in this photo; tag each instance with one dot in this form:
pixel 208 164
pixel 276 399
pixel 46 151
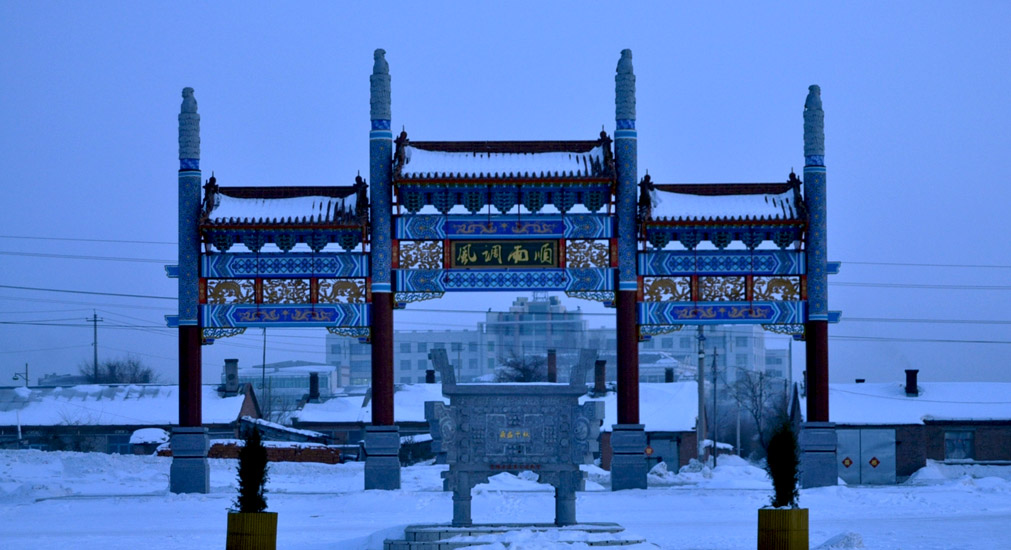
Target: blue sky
pixel 915 97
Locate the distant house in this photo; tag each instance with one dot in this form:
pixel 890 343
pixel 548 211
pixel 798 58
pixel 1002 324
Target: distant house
pixel 281 386
pixel 668 411
pixel 343 418
pixel 101 418
pixel 887 431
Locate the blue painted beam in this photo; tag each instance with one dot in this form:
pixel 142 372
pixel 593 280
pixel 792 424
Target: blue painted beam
pixel 720 313
pixel 590 279
pixel 284 265
pixel 721 262
pixel 286 315
pixel 509 226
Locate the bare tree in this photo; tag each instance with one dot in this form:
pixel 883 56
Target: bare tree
pixel 530 368
pixel 763 399
pixel 128 370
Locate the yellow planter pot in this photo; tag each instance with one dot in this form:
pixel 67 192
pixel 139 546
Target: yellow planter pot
pixel 782 529
pixel 252 531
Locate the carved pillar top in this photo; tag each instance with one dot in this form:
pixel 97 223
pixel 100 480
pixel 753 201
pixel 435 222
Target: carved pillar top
pixel 380 87
pixel 189 127
pixel 814 127
pixel 624 88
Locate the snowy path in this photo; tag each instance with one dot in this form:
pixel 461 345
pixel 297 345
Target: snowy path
pixel 96 501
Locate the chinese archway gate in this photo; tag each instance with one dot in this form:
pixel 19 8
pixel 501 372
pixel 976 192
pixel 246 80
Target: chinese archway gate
pixel 451 216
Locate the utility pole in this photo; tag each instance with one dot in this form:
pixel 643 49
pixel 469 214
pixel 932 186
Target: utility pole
pixel 94 344
pixel 715 423
pixel 700 425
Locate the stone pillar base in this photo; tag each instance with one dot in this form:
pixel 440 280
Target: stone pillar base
pixel 382 457
pixel 628 461
pixel 818 465
pixel 190 471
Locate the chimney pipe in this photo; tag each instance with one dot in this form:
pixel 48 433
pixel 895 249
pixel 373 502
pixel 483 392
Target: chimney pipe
pixel 668 375
pixel 552 366
pixel 313 387
pixel 231 375
pixel 600 377
pixel 911 389
pixel 861 380
pixel 430 376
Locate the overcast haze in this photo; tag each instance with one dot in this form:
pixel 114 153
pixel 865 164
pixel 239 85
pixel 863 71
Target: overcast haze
pixel 916 124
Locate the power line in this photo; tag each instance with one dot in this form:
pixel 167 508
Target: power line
pixel 901 264
pixel 71 302
pixel 924 340
pixel 40 289
pixel 45 349
pixel 25 237
pixel 931 321
pixel 85 257
pixel 921 286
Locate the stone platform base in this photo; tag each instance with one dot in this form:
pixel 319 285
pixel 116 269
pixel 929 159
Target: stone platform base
pixel 445 537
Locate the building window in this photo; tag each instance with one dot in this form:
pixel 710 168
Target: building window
pixel 439 345
pixel 741 341
pixel 335 349
pixel 686 342
pixel 648 344
pixel 472 346
pixel 491 364
pixel 405 364
pixel 405 347
pixel 667 343
pixel 491 347
pixel 422 346
pixel 405 379
pixel 422 364
pixel 741 358
pixel 472 364
pixel 958 445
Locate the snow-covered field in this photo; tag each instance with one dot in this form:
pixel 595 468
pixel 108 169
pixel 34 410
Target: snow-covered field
pixel 85 501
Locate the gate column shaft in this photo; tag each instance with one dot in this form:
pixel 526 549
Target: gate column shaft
pixel 190 471
pixel 628 442
pixel 818 437
pixel 382 439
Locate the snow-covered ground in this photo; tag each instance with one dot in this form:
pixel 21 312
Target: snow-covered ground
pixel 85 501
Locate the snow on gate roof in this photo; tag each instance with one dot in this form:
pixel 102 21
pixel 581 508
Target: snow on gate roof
pixel 503 160
pixel 286 204
pixel 109 405
pixel 737 201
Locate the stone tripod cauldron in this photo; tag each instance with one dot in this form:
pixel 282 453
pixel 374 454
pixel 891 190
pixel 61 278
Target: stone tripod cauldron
pixel 488 429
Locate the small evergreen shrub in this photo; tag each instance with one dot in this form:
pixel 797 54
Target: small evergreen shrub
pixel 252 475
pixel 782 465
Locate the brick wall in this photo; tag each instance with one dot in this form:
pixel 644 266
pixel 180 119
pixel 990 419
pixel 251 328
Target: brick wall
pixel 316 453
pixel 910 450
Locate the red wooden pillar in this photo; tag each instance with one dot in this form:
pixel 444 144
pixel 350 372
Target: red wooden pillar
pixel 628 358
pixel 190 392
pixel 382 359
pixel 816 335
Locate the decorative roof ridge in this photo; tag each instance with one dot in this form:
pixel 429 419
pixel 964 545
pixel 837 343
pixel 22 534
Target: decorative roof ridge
pixel 506 147
pixel 716 189
pixel 288 191
pixel 732 220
